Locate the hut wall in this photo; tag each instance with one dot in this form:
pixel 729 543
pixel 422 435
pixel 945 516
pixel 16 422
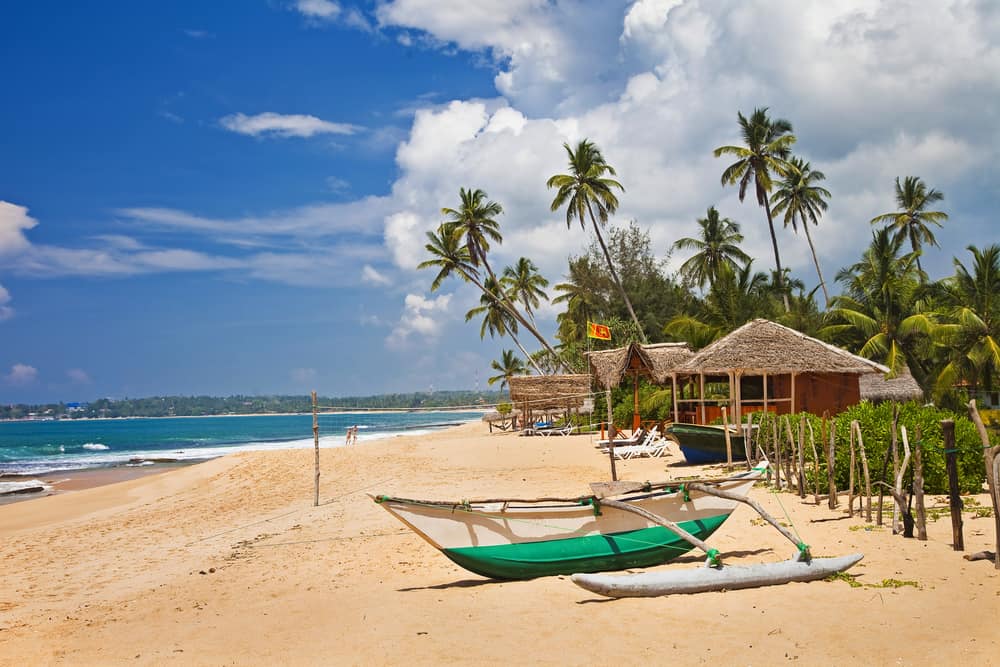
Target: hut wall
pixel 819 392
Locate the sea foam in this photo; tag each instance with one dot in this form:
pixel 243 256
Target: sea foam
pixel 95 446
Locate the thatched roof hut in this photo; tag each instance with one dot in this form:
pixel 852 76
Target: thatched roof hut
pixel 761 346
pixel 655 361
pixel 768 367
pixel 541 393
pixel 875 387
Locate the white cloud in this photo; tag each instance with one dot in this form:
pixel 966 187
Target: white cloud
pixel 78 376
pixel 370 275
pixel 6 312
pixel 21 374
pixel 284 125
pixel 318 9
pixel 14 221
pixel 422 317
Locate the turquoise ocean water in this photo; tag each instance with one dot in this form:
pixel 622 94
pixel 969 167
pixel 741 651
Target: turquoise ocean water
pixel 29 448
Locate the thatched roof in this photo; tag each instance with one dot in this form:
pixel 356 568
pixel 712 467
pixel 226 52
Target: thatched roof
pixel 495 416
pixel 549 392
pixel 655 361
pixel 762 346
pixel 875 387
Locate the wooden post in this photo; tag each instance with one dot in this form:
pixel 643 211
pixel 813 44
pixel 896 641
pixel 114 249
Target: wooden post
pixel 802 457
pixel 812 443
pixel 918 487
pixel 991 458
pixel 864 466
pixel 895 472
pixel 750 442
pixel 777 453
pixel 729 441
pixel 831 461
pixel 612 434
pixel 789 459
pixel 316 448
pixel 955 500
pixel 904 510
pixel 850 479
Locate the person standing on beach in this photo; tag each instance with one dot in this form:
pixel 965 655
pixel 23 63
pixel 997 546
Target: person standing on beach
pixel 354 435
pixel 350 433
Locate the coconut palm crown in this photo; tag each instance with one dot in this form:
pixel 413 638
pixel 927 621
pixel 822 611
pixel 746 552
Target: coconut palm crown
pixel 912 221
pixel 586 191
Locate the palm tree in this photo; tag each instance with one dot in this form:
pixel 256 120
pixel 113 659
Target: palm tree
pixel 582 299
pixel 971 303
pixel 738 295
pixel 474 221
pixel 584 189
pixel 798 195
pixel 451 257
pixel 912 220
pixel 496 320
pixel 508 366
pixel 525 284
pixel 767 144
pixel 717 246
pixel 880 314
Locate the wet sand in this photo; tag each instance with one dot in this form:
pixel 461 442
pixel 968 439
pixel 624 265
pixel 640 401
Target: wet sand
pixel 228 562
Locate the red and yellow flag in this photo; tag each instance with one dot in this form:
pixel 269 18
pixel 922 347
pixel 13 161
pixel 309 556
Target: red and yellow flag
pixel 600 331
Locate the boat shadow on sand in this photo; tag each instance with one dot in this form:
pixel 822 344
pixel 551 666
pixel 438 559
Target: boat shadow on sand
pixel 475 583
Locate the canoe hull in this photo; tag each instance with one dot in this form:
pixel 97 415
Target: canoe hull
pixel 523 540
pixel 705 579
pixel 706 444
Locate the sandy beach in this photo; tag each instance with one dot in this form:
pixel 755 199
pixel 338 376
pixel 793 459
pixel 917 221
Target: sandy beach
pixel 228 562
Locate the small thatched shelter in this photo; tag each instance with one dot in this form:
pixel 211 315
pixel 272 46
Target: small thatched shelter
pixel 876 388
pixel 656 362
pixel 547 394
pixel 766 366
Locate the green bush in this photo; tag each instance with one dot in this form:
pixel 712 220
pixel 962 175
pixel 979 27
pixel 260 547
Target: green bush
pixel 876 425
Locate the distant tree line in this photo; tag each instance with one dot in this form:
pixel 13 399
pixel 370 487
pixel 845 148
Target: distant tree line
pixel 196 406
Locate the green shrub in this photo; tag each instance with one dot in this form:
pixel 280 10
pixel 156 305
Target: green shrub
pixel 876 426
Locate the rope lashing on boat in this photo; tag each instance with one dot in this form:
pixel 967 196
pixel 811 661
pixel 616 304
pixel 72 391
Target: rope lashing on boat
pixel 684 490
pixel 713 558
pixel 593 502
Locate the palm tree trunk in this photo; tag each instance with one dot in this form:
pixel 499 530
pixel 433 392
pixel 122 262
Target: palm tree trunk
pixel 779 278
pixel 614 274
pixel 515 313
pixel 822 283
pixel 525 353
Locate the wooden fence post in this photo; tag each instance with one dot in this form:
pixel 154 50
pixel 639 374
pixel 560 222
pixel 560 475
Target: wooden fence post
pixel 802 457
pixel 729 441
pixel 918 486
pixel 955 500
pixel 831 458
pixel 864 466
pixel 316 448
pixel 991 458
pixel 850 479
pixel 612 434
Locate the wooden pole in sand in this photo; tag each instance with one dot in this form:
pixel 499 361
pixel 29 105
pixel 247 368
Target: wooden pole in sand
pixel 991 458
pixel 864 466
pixel 918 487
pixel 729 441
pixel 955 500
pixel 802 457
pixel 612 434
pixel 316 448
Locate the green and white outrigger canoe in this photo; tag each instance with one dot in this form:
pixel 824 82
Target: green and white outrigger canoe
pixel 523 539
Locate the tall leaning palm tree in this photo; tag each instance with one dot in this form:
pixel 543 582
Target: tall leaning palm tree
pixel 525 284
pixel 913 220
pixel 451 258
pixel 766 145
pixel 496 320
pixel 583 190
pixel 475 221
pixel 717 246
pixel 798 195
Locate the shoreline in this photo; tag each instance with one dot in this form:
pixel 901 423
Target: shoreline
pixel 174 568
pixel 358 411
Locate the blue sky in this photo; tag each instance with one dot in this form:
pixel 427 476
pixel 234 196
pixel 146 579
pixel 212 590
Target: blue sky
pixel 230 197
